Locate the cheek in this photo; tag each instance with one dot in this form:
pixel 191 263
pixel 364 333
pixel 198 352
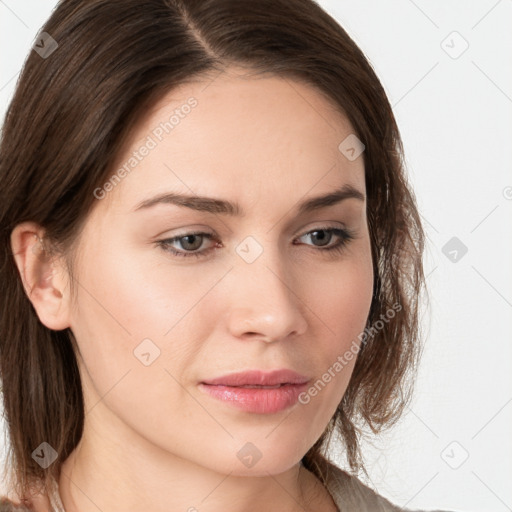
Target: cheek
pixel 341 296
pixel 132 304
pixel 340 302
pixel 136 333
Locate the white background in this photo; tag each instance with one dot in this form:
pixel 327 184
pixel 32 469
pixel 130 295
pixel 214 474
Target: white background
pixel 455 118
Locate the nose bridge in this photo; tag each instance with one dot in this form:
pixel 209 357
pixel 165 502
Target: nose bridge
pixel 265 302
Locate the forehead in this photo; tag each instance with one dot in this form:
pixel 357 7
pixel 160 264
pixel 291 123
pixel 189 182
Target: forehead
pixel 238 135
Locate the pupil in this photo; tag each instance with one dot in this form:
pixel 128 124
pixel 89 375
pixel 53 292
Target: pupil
pixel 321 238
pixel 188 239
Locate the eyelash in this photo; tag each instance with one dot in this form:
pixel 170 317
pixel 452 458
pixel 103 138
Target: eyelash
pixel 345 237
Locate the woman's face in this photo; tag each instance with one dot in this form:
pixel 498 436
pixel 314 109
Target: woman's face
pixel 257 289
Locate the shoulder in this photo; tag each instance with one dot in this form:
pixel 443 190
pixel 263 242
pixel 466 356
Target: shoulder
pixel 38 502
pixel 352 495
pixel 6 505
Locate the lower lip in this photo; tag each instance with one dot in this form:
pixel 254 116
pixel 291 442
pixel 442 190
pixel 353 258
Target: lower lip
pixel 258 400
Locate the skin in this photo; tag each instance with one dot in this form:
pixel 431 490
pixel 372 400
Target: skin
pixel 152 439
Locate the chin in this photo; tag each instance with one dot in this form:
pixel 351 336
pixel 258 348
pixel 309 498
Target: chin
pixel 257 456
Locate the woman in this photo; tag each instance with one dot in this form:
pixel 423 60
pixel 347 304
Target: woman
pixel 211 260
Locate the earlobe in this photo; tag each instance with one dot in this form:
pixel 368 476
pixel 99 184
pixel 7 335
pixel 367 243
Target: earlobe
pixel 42 275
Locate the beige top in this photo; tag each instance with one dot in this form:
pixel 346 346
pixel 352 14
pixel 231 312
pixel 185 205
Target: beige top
pixel 348 493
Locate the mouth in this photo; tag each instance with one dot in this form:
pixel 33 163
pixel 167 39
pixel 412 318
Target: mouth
pixel 255 386
pixel 256 391
pixel 259 378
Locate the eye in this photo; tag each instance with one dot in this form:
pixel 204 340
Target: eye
pixel 324 235
pixel 191 243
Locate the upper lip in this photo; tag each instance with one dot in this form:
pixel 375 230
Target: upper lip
pixel 259 378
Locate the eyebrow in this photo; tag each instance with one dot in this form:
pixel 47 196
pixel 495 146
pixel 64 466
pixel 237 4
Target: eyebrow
pixel 221 206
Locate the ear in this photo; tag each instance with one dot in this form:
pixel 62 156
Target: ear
pixel 45 278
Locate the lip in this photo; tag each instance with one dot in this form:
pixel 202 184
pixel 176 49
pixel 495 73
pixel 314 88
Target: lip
pixel 245 390
pixel 259 378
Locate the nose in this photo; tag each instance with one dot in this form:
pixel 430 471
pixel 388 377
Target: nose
pixel 265 302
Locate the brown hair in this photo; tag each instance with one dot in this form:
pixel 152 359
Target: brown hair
pixel 66 124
